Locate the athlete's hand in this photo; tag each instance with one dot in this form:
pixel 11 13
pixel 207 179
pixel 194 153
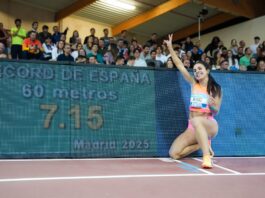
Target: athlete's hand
pixel 169 41
pixel 211 101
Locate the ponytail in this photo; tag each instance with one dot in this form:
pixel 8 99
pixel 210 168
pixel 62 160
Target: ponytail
pixel 213 88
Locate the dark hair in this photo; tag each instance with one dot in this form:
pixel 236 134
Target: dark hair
pixel 18 20
pixel 45 27
pixel 213 88
pixel 35 22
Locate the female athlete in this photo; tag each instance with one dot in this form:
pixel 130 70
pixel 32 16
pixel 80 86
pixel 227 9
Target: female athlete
pixel 204 104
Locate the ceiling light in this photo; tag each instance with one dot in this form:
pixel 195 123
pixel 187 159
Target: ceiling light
pixel 119 4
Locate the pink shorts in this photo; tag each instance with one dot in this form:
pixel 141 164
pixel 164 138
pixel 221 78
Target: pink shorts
pixel 192 128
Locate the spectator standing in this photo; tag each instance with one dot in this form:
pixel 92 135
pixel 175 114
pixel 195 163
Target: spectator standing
pixel 56 37
pixel 18 34
pixel 106 37
pixel 73 39
pixel 44 34
pixel 254 46
pixel 212 46
pixel 3 35
pixel 34 26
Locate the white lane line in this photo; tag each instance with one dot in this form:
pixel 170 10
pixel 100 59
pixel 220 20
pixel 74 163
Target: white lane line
pixel 221 167
pixel 72 159
pixel 121 177
pixel 202 170
pixel 104 159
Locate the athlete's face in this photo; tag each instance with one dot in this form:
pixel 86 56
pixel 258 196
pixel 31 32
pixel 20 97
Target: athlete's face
pixel 200 71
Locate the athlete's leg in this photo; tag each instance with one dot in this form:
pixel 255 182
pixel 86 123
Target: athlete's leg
pixel 204 128
pixel 183 145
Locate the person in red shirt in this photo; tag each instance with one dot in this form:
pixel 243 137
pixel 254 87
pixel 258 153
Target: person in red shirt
pixel 32 47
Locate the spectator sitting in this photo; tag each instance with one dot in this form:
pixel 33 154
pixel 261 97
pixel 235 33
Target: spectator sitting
pixel 111 54
pixel 261 66
pixel 75 52
pixel 240 53
pixel 138 61
pixel 89 44
pixel 81 56
pixel 32 47
pixel 44 34
pixel 94 51
pixel 170 64
pixel 101 47
pixel 195 54
pixel 73 39
pixel 66 56
pixel 232 61
pixel 57 50
pixel 234 47
pixel 120 60
pixel 92 59
pixel 253 65
pixel 160 56
pixel 3 35
pixel 131 61
pixel 153 62
pixel 224 66
pixel 188 44
pixel 123 50
pixel 187 64
pixel 48 47
pixel 145 54
pixel 2 51
pixel 245 60
pixel 242 44
pixel 34 26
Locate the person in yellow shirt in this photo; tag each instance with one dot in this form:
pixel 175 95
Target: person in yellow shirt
pixel 18 34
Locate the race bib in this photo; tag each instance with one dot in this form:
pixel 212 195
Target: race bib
pixel 199 101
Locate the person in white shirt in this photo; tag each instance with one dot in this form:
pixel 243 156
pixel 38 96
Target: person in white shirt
pixel 138 61
pixel 48 47
pixel 160 56
pixel 57 50
pixel 254 46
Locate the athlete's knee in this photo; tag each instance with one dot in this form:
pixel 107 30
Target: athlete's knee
pixel 174 154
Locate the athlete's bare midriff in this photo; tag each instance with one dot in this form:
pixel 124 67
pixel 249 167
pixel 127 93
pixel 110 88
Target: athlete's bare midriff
pixel 194 114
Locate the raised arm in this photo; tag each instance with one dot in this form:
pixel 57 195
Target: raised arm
pixel 178 62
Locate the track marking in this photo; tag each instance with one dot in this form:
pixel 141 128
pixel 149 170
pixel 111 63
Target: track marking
pixel 202 170
pixel 122 177
pixel 105 159
pixel 221 167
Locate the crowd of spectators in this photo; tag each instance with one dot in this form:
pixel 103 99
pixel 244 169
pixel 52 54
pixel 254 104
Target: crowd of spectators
pixel 17 43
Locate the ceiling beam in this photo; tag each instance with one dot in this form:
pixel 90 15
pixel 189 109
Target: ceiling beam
pixel 234 7
pixel 77 5
pixel 148 15
pixel 208 23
